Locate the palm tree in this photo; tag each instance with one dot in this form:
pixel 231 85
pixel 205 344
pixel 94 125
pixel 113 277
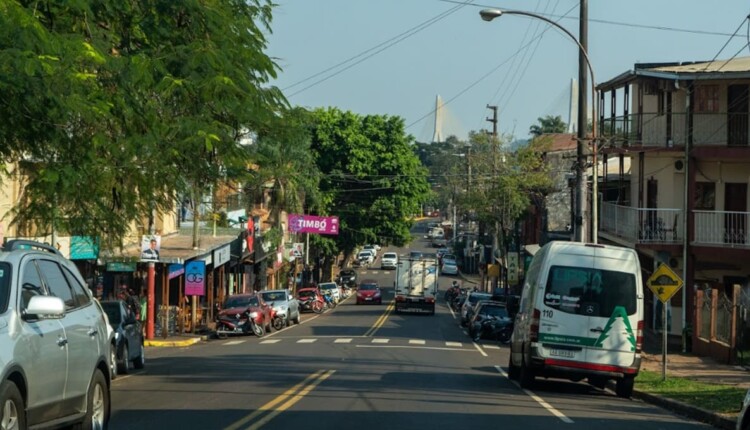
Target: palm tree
pixel 548 124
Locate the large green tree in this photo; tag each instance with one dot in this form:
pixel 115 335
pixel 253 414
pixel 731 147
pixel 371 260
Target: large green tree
pixel 118 107
pixel 371 177
pixel 548 124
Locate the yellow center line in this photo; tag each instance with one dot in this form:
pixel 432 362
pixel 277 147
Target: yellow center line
pixel 268 406
pixel 379 323
pixel 294 399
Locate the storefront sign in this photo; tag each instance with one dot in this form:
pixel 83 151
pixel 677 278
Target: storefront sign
pixel 221 255
pixel 120 267
pixel 512 268
pixel 175 270
pixel 195 278
pixel 83 248
pixel 313 224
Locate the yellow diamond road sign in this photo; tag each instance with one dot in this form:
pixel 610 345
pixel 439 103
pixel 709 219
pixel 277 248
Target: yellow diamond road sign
pixel 664 283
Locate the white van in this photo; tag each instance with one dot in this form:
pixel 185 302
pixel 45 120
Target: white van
pixel 580 316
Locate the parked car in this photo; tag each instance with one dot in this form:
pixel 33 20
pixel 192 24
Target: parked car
pixel 366 257
pixel 369 292
pixel 482 312
pixel 259 310
pixel 389 260
pixel 743 419
pixel 347 277
pixel 330 288
pixel 54 342
pixel 472 298
pixel 284 303
pixel 449 267
pixel 372 248
pixel 128 335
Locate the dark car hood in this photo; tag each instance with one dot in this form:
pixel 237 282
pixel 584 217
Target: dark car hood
pixel 231 312
pixel 368 293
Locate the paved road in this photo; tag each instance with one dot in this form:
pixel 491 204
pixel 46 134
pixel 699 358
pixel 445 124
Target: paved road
pixel 363 367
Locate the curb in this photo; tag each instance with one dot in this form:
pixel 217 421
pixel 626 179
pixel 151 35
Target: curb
pixel 467 279
pixel 174 343
pixel 689 411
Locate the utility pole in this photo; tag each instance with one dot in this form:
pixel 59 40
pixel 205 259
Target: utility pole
pixel 581 219
pixel 495 242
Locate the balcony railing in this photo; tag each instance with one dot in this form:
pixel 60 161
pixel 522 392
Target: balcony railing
pixel 722 228
pixel 639 225
pixel 663 130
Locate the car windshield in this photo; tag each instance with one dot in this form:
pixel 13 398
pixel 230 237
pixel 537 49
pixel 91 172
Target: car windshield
pixel 241 302
pixel 274 296
pixel 593 292
pixel 327 286
pixel 4 286
pixel 477 297
pixel 112 309
pixel 348 273
pixel 306 294
pixel 390 255
pixel 368 287
pixel 495 311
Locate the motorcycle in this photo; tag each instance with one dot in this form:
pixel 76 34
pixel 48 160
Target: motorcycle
pixel 329 300
pixel 239 324
pixel 493 328
pixel 314 305
pixel 277 321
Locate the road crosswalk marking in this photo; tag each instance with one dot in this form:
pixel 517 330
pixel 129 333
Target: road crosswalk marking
pixel 234 342
pixel 343 340
pixel 455 344
pixel 270 341
pixel 380 340
pixel 490 347
pixel 416 342
pixel 306 340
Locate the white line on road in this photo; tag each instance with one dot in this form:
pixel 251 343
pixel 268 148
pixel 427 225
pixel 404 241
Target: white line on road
pixel 538 399
pixel 343 340
pixel 454 344
pixel 306 340
pixel 416 342
pixel 270 341
pixel 490 347
pixel 381 340
pixel 479 348
pixel 415 347
pixel 233 342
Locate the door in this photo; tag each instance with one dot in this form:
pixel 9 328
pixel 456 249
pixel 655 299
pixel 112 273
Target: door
pixel 737 115
pixel 735 220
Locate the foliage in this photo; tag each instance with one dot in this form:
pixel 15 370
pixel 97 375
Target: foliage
pixel 115 107
pixel 548 124
pixel 371 179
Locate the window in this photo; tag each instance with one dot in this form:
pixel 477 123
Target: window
pixel 707 98
pixel 592 292
pixel 56 282
pixel 31 283
pixel 79 290
pixel 705 196
pixel 4 286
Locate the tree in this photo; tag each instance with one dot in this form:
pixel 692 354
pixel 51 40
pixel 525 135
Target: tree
pixel 548 124
pixel 371 177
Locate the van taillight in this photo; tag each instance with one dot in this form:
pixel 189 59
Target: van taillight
pixel 430 299
pixel 534 326
pixel 639 337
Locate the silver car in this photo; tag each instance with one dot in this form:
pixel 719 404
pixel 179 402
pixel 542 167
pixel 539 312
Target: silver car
pixel 743 419
pixel 54 342
pixel 284 303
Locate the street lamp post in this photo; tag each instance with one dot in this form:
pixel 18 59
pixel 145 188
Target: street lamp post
pixel 489 15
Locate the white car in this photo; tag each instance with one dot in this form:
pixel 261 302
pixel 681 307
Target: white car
pixel 366 257
pixel 373 248
pixel 389 260
pixel 332 288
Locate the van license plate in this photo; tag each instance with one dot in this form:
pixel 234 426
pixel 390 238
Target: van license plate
pixel 562 353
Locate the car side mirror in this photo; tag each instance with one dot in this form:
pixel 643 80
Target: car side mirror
pixel 44 307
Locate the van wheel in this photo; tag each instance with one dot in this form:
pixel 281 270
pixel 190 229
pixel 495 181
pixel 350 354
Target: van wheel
pixel 512 368
pixel 624 387
pixel 12 410
pixel 525 375
pixel 598 382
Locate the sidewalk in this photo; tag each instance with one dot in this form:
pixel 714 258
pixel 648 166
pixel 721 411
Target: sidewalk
pixel 681 365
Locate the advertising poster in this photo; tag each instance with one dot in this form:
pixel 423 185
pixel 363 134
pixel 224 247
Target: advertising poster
pixel 195 278
pixel 150 247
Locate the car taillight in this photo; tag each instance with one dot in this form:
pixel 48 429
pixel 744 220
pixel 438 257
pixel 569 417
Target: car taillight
pixel 639 337
pixel 400 298
pixel 429 299
pixel 534 326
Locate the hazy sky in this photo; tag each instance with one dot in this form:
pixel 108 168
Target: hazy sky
pixel 395 56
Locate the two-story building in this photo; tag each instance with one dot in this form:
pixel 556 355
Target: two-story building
pixel 685 129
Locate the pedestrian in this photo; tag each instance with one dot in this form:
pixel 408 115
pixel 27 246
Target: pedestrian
pixel 144 310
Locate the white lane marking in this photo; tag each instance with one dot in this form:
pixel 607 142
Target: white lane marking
pixel 416 342
pixel 479 348
pixel 454 344
pixel 490 347
pixel 381 340
pixel 306 340
pixel 233 342
pixel 343 340
pixel 270 341
pixel 415 347
pixel 538 399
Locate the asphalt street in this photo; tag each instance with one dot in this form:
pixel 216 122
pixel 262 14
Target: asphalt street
pixel 363 367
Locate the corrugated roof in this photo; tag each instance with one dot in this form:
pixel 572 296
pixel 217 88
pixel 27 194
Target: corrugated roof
pixel 559 141
pixel 734 65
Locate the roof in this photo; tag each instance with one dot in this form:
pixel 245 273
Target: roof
pixel 176 248
pixel 734 68
pixel 558 142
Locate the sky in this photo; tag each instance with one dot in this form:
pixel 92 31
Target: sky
pixel 394 57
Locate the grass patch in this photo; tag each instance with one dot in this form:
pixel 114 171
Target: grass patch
pixel 724 399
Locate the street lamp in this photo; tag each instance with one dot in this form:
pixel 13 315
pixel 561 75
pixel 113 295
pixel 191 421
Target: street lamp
pixel 489 15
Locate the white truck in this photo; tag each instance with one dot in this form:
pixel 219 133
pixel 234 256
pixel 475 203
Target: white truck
pixel 416 284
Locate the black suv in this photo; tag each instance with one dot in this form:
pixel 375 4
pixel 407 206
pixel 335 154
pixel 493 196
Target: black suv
pixel 347 277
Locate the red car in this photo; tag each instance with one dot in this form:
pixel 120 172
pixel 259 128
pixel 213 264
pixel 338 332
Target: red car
pixel 236 304
pixel 369 292
pixel 310 299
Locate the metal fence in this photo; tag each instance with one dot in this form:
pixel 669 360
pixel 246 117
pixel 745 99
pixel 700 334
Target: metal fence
pixel 705 310
pixel 743 329
pixel 724 318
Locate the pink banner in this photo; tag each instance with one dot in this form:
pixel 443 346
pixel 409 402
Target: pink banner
pixel 313 224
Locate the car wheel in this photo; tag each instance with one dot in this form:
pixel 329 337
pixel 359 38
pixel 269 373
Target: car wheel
pixel 12 410
pixel 140 361
pixel 298 319
pixel 124 366
pixel 113 361
pixel 97 404
pixel 624 387
pixel 512 368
